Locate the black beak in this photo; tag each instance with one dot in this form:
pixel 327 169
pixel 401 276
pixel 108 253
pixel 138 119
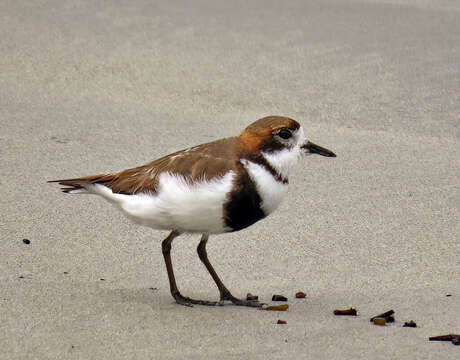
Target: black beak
pixel 316 149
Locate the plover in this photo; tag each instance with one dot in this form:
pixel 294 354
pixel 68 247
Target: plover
pixel 217 187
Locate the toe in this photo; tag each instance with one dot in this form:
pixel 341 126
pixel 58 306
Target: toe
pixel 186 301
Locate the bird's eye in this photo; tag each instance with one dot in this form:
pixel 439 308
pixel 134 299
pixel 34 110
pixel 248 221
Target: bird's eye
pixel 285 134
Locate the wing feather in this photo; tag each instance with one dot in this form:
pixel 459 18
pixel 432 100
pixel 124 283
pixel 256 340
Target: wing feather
pixel 202 162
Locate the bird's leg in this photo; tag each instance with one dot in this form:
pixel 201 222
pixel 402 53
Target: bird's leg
pixel 180 299
pixel 224 292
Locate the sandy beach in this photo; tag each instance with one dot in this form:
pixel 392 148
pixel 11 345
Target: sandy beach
pixel 92 87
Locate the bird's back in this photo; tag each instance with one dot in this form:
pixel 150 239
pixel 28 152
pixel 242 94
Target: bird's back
pixel 203 162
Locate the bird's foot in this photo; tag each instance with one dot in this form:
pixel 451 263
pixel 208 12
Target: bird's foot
pixel 186 301
pixel 239 302
pixel 250 303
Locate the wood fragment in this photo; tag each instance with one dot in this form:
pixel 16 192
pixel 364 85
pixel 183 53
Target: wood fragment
pixel 282 307
pixel 448 337
pixel 351 311
pixel 388 316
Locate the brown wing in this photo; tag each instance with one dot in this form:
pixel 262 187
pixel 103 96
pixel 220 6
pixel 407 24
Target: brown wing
pixel 205 161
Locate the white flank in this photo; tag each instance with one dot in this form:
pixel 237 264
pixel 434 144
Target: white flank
pixel 177 204
pixel 285 160
pixel 270 190
pixel 79 191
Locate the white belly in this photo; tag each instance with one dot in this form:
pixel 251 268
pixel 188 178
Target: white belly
pixel 177 204
pixel 271 191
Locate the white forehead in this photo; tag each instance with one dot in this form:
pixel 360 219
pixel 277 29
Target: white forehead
pixel 300 136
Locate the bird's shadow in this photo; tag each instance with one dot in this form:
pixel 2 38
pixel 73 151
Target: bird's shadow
pixel 152 297
pixel 145 296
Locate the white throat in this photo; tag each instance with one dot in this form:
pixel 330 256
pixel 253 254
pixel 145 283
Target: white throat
pixel 270 189
pixel 285 160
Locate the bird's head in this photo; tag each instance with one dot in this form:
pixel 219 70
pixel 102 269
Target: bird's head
pixel 281 141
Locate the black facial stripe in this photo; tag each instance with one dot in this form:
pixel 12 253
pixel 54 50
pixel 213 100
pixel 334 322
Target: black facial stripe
pixel 272 145
pixel 263 162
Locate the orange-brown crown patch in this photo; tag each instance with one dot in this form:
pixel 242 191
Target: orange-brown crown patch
pixel 252 138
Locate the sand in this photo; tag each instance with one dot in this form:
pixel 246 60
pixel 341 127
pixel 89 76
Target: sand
pixel 89 87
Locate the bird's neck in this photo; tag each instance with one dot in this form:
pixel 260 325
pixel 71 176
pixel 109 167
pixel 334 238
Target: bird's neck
pixel 282 161
pixel 264 161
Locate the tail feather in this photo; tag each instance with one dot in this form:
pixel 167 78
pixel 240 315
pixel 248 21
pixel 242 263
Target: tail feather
pixel 81 183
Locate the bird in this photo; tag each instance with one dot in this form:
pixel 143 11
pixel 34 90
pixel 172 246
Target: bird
pixel 222 186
